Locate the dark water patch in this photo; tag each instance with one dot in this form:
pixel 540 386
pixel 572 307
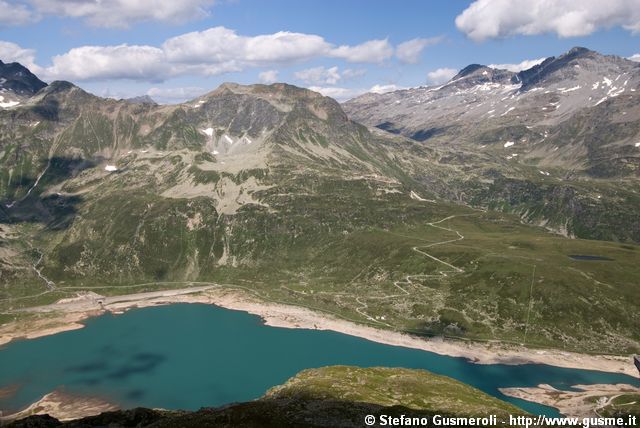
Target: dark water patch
pixel 138 364
pixel 190 356
pixel 589 257
pixel 135 394
pixel 97 366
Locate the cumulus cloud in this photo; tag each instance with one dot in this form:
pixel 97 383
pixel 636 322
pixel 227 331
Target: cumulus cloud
pixel 383 89
pixel 12 13
pixel 441 75
pixel 340 94
pixel 343 94
pixel 175 95
pixel 109 62
pixel 220 45
pixel 105 13
pixel 210 52
pixel 635 57
pixel 214 51
pixel 350 73
pixel 524 65
pixel 487 19
pixel 318 75
pixel 373 51
pixel 11 52
pixel 268 76
pixel 409 52
pixel 326 76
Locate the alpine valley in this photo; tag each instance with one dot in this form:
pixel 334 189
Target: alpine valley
pixel 499 207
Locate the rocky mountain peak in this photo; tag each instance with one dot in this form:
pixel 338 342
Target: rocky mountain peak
pixel 476 74
pixel 142 99
pixel 16 78
pixel 469 70
pixel 287 99
pixel 574 65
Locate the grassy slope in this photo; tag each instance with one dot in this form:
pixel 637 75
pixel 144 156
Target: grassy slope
pixel 342 250
pixel 623 405
pixel 328 238
pixel 414 389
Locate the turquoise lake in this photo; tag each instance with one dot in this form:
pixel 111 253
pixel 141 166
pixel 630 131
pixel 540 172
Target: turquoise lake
pixel 187 356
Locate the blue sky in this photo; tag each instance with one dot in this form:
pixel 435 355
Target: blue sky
pixel 176 49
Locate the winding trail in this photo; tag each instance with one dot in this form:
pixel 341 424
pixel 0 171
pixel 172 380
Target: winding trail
pixel 35 184
pixel 50 284
pixel 407 281
pixel 526 327
pixel 361 310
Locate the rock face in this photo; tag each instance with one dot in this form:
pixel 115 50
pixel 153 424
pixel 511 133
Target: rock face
pixel 16 84
pixel 143 99
pixel 542 96
pixel 18 79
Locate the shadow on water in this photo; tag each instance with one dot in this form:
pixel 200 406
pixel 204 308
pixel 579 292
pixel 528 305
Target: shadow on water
pixel 30 205
pixel 99 371
pixel 98 366
pixel 139 363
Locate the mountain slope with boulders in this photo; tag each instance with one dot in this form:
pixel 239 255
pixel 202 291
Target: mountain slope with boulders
pixel 558 144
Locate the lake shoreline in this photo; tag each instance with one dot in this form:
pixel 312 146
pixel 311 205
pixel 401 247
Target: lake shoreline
pixel 583 401
pixel 68 314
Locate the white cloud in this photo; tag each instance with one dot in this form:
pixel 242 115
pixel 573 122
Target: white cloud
pixel 383 89
pixel 210 52
pixel 175 95
pixel 222 45
pixel 343 94
pixel 214 51
pixel 350 73
pixel 11 52
pixel 122 13
pixel 409 52
pixel 318 75
pixel 326 76
pixel 109 62
pixel 268 76
pixel 15 14
pixel 340 94
pixel 524 65
pixel 441 75
pixel 373 51
pixel 487 19
pixel 634 57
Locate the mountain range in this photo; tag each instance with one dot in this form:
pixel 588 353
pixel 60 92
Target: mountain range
pixel 558 144
pixel 424 210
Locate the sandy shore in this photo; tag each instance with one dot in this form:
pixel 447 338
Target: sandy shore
pixel 67 314
pixel 582 403
pixel 64 407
